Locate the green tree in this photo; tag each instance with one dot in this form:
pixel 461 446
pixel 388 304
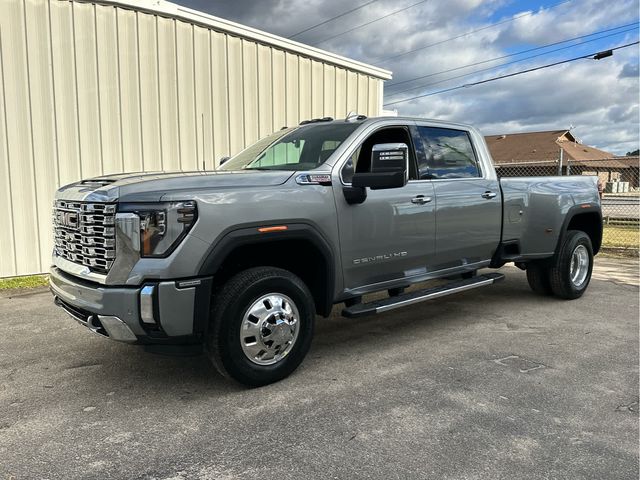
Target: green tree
pixel 635 153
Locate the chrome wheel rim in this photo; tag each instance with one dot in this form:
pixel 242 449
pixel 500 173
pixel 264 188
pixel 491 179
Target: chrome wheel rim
pixel 579 268
pixel 269 329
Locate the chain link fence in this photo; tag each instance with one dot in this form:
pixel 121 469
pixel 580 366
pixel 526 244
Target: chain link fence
pixel 619 182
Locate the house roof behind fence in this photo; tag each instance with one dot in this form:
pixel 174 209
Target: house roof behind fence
pixel 606 163
pixel 539 147
pixel 629 161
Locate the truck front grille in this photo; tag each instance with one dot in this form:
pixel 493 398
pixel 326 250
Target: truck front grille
pixel 84 233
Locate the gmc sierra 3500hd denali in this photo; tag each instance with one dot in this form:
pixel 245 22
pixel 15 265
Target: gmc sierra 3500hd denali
pixel 241 259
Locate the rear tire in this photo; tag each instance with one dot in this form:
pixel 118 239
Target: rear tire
pixel 396 292
pixel 350 302
pixel 538 278
pixel 468 275
pixel 262 323
pixel 570 274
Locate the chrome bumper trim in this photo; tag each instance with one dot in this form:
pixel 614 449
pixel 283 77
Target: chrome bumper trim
pixel 117 329
pixel 78 270
pixel 146 304
pixel 102 325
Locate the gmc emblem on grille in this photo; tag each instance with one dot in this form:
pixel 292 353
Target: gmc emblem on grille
pixel 67 219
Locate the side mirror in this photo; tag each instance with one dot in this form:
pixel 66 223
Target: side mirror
pixel 223 160
pixel 389 167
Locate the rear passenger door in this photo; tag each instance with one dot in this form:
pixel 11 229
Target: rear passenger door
pixel 468 200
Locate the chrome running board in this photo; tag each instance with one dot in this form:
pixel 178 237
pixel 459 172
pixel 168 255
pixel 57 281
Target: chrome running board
pixel 391 303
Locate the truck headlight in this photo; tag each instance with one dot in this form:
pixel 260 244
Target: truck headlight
pixel 162 225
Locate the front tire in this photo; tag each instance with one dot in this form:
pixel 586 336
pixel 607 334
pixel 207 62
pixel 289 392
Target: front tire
pixel 570 274
pixel 261 326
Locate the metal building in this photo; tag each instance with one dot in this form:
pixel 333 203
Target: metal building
pixel 91 88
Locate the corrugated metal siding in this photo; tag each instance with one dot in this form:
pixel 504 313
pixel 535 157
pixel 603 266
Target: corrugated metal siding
pixel 90 89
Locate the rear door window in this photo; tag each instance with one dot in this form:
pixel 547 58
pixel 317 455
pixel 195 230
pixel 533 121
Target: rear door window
pixel 448 153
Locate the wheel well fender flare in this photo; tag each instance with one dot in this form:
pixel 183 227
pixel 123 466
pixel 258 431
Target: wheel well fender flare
pixel 595 234
pixel 245 235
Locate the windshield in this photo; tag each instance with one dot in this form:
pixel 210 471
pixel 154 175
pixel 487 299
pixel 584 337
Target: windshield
pixel 299 148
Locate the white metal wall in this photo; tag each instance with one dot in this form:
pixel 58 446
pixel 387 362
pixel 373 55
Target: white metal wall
pixel 90 89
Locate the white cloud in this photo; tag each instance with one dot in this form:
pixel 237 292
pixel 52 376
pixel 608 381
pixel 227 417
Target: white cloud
pixel 599 98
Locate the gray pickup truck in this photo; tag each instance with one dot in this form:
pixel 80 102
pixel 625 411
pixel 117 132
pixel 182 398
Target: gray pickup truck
pixel 241 260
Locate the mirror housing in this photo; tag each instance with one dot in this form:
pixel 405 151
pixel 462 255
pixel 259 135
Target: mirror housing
pixel 389 167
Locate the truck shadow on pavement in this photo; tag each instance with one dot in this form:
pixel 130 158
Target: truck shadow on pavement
pixel 84 363
pixel 501 368
pixel 337 339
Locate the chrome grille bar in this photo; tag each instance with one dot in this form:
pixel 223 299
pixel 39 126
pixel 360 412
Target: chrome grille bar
pixel 84 233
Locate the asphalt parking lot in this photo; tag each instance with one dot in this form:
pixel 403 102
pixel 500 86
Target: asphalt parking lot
pixel 493 383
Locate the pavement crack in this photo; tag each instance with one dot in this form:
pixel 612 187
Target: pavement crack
pixel 83 365
pixel 628 407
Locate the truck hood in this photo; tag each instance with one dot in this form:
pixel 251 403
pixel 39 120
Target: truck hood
pixel 151 187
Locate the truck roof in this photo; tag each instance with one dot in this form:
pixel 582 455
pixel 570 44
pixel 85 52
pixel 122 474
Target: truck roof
pixel 361 119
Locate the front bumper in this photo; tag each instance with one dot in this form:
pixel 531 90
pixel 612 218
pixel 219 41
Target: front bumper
pixel 180 308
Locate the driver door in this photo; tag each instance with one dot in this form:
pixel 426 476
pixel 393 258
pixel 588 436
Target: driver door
pixel 391 235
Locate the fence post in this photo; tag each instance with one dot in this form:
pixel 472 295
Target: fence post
pixel 560 162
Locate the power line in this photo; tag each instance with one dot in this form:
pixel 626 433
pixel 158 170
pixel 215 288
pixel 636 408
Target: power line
pixel 506 63
pixel 464 34
pixel 595 56
pixel 372 21
pixel 332 19
pixel 634 24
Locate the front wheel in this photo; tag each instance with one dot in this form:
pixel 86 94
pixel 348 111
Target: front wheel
pixel 570 274
pixel 261 326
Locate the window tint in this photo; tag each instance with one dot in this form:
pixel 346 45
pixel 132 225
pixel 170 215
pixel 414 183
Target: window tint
pixel 448 154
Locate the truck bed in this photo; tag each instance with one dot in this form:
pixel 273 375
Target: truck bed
pixel 534 209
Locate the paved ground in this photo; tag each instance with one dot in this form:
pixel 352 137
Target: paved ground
pixel 496 383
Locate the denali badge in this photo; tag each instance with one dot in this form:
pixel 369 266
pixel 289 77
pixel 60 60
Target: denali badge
pixel 377 258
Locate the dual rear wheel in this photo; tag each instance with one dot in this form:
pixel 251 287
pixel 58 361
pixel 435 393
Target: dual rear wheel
pixel 567 275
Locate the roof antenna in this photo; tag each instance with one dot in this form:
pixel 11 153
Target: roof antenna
pixel 353 116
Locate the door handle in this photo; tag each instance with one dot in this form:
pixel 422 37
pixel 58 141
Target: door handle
pixel 420 199
pixel 489 195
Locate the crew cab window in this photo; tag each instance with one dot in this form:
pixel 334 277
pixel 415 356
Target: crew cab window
pixel 360 159
pixel 448 153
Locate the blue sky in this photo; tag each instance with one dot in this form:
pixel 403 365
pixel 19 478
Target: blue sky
pixel 513 8
pixel 598 98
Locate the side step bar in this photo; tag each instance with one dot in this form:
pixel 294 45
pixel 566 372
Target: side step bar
pixel 386 304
